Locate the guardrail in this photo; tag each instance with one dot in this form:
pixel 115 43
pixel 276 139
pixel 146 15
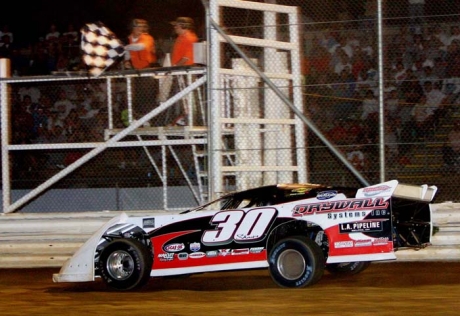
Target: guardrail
pixel 48 240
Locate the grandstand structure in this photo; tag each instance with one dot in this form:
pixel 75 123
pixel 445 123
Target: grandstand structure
pixel 232 138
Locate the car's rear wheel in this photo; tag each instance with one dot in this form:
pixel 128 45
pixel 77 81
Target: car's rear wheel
pixel 348 268
pixel 296 262
pixel 125 264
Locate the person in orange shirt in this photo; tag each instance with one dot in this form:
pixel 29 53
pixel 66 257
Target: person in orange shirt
pixel 140 53
pixel 182 52
pixel 181 55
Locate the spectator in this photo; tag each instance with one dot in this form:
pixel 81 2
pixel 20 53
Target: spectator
pixel 140 53
pixel 320 59
pixel 22 123
pixel 71 35
pixel 53 34
pixel 435 101
pixel 454 34
pixel 452 60
pixel 40 121
pixel 441 37
pixel 365 83
pixel 451 150
pixel 370 107
pixel 357 158
pixel 30 90
pixel 38 62
pixel 344 91
pixel 341 61
pixel 6 48
pixel 391 145
pixel 411 89
pixel 417 68
pixel 5 31
pixel 338 133
pixel 422 117
pixel 392 104
pixel 403 38
pixel 63 105
pixel 329 41
pixel 417 14
pixel 358 63
pixel 28 104
pixel 428 75
pixel 417 48
pixel 399 73
pixel 182 53
pixel 433 49
pixel 57 136
pixel 52 57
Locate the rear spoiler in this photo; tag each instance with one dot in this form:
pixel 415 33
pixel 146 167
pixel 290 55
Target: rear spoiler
pixel 393 188
pixel 423 192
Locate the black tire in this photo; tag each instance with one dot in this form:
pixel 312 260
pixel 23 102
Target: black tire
pixel 348 268
pixel 125 264
pixel 296 262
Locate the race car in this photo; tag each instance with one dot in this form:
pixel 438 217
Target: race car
pixel 297 231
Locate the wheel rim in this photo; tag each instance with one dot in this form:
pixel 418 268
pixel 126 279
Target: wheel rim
pixel 120 265
pixel 291 264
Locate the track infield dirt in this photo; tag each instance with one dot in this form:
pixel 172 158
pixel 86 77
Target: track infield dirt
pixel 396 288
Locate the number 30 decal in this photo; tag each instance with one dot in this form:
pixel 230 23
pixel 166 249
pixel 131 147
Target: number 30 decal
pixel 239 226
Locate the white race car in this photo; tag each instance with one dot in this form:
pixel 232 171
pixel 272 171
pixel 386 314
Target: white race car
pixel 295 230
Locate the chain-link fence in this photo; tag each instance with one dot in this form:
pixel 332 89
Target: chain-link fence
pixel 412 74
pixel 391 103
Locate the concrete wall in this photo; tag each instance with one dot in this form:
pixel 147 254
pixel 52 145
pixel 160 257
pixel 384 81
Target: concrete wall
pixel 113 199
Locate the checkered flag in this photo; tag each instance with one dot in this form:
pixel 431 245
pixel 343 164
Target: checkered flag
pixel 100 46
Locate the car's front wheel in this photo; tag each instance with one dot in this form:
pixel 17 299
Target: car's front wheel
pixel 125 264
pixel 296 262
pixel 348 268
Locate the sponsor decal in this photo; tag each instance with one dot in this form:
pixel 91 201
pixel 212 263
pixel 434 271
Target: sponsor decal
pixel 182 256
pixel 256 249
pixel 166 256
pixel 212 253
pixel 224 252
pixel 197 255
pixel 240 226
pixel 376 190
pixel 246 237
pixel 148 222
pixel 195 246
pixel 174 247
pixel 236 252
pixel 299 191
pixel 326 195
pixel 340 206
pixel 343 244
pixel 367 226
pixel 363 243
pixel 380 241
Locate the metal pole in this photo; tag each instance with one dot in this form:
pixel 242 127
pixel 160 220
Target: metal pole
pixel 381 85
pixel 5 123
pixel 215 178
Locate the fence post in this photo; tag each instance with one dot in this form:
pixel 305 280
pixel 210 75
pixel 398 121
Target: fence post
pixel 5 72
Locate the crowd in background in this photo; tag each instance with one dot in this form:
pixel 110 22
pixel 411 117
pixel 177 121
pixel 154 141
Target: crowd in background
pixel 421 75
pixel 421 72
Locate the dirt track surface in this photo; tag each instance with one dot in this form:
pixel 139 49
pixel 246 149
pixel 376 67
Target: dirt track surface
pixel 417 288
